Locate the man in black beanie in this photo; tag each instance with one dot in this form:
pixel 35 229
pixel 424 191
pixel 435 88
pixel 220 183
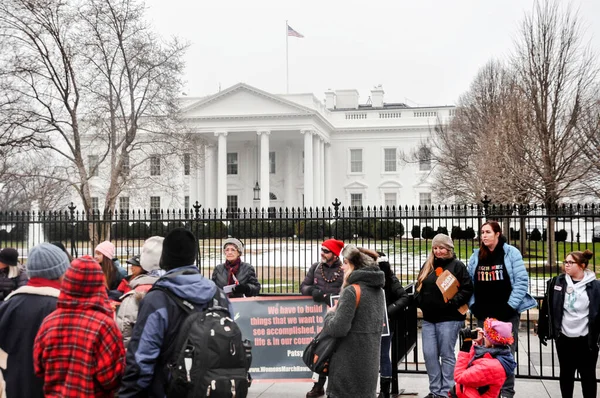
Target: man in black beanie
pixel 159 317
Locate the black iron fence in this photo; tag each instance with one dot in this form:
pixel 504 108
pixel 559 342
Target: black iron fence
pixel 283 243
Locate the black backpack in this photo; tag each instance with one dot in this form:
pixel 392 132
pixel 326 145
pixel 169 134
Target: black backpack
pixel 208 357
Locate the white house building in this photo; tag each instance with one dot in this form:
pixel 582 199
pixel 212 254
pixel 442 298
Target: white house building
pixel 263 150
pixel 301 152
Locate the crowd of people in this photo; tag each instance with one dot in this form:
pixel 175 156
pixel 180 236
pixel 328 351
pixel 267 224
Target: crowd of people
pixel 84 327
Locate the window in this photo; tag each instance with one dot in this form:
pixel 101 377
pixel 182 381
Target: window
pixel 424 159
pixel 232 163
pixel 272 162
pixel 124 207
pixel 154 165
pixel 389 199
pixel 155 203
pixel 124 203
pixel 126 165
pixel 356 199
pixel 93 165
pixel 389 159
pixel 187 164
pixel 95 203
pixel 186 202
pixel 425 199
pixel 356 161
pixel 232 206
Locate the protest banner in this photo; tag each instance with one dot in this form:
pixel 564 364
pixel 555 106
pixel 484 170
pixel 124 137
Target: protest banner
pixel 279 329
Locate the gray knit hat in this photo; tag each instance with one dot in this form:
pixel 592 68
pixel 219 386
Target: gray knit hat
pixel 233 241
pixel 442 240
pixel 46 261
pixel 151 252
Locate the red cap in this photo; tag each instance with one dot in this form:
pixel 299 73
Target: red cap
pixel 334 245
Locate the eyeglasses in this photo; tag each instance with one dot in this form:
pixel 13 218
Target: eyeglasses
pixel 325 251
pixel 570 263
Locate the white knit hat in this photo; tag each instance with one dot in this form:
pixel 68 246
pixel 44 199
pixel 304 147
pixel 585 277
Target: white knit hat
pixel 151 252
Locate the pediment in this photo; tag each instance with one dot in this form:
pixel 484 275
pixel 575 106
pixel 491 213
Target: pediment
pixel 356 185
pixel 243 100
pixel 390 184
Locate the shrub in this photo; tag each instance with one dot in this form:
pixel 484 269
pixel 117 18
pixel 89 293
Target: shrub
pixel 469 233
pixel 561 236
pixel 215 230
pixel 515 234
pixel 344 229
pixel 457 233
pixel 120 230
pixel 442 230
pixel 366 227
pixel 171 225
pixel 386 229
pixel 415 231
pixel 157 228
pixel 286 228
pixel 138 230
pixel 312 229
pixel 428 232
pixel 250 229
pixel 535 235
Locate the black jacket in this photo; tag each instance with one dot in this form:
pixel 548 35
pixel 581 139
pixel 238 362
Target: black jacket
pixel 431 301
pixel 551 312
pixel 246 276
pixel 20 319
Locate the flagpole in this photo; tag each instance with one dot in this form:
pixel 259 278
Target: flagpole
pixel 287 69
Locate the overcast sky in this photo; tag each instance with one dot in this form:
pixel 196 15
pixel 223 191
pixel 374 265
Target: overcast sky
pixel 423 52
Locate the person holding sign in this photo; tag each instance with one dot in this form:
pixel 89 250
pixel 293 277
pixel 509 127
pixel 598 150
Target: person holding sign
pixel 443 290
pixel 500 282
pixel 235 277
pixel 324 279
pixel 357 322
pixel 396 301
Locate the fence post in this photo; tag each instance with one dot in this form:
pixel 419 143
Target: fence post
pixel 196 223
pixel 336 215
pixel 72 208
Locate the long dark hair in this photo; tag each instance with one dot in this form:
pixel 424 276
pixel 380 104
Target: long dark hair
pixel 484 251
pixel 108 268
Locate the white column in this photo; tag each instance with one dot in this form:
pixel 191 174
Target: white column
pixel 317 170
pixel 308 168
pixel 265 187
pixel 289 177
pixel 209 177
pixel 327 174
pixel 222 170
pixel 322 172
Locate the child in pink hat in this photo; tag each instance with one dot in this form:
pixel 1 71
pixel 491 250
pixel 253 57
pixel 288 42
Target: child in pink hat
pixel 483 365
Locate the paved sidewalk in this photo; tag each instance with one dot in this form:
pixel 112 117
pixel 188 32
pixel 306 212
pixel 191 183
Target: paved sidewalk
pixel 412 383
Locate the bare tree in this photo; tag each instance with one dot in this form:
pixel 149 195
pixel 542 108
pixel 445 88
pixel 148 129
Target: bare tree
pixel 89 77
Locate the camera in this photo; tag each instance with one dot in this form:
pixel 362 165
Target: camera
pixel 467 333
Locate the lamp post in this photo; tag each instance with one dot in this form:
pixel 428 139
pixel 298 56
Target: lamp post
pixel 256 190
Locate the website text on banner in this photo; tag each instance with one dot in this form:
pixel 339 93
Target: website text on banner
pixel 279 329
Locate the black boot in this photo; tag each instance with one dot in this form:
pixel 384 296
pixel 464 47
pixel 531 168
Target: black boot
pixel 316 391
pixel 385 384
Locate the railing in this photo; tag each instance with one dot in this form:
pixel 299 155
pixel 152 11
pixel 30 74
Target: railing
pixel 283 243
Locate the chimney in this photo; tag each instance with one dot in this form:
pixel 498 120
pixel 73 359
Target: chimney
pixel 346 99
pixel 329 99
pixel 377 96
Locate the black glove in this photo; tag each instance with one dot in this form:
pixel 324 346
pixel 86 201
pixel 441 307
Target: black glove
pixel 242 288
pixel 318 295
pixel 392 310
pixel 466 335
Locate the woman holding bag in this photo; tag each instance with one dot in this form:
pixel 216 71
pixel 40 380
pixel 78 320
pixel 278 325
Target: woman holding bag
pixel 357 327
pixel 441 317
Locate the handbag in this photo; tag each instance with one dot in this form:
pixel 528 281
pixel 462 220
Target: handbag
pixel 319 351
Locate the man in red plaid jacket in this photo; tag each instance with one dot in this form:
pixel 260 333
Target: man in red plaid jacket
pixel 78 350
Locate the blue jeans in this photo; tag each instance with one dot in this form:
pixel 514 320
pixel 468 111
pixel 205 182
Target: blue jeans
pixel 439 341
pixel 385 363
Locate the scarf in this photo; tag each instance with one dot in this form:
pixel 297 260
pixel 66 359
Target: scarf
pixel 232 269
pixel 501 353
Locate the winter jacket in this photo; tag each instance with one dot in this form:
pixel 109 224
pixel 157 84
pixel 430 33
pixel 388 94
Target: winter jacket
pixel 430 299
pixel 520 300
pixel 11 278
pixel 485 372
pixel 20 318
pixel 159 320
pixel 551 312
pixel 354 367
pixel 79 350
pixel 130 304
pixel 314 279
pixel 246 276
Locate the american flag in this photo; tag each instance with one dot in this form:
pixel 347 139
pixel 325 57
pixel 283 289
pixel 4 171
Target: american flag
pixel 292 32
